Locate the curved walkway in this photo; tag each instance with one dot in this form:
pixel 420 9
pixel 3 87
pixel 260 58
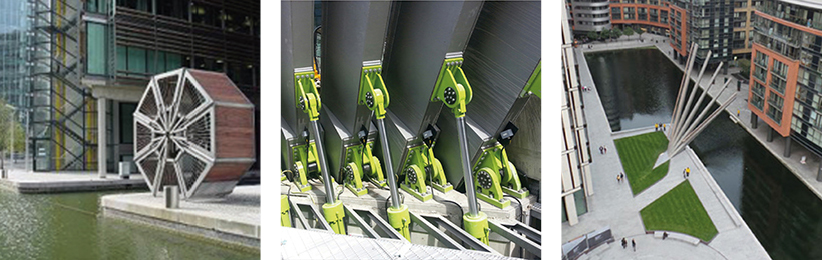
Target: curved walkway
pixel 614 205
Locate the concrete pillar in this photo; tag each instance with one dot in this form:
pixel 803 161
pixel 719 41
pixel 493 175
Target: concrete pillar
pixel 787 152
pixel 101 137
pixel 754 120
pixel 770 134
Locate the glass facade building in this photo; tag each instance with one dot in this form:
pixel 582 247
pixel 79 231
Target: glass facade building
pixel 13 54
pixel 93 58
pixel 786 79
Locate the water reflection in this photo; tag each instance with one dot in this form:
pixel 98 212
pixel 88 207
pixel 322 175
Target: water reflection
pixel 67 226
pixel 634 86
pixel 638 89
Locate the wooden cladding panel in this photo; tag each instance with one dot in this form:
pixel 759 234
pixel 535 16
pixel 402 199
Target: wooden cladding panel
pixel 235 132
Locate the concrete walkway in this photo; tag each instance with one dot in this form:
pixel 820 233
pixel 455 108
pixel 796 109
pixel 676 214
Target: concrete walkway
pixel 22 181
pixel 234 219
pixel 613 204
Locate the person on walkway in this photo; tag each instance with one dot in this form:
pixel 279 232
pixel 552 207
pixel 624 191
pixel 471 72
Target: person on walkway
pixel 624 243
pixel 600 149
pixel 656 127
pixel 633 243
pixel 737 113
pixel 687 172
pixel 605 149
pixel 802 161
pixel 663 127
pixel 664 235
pixel 617 178
pixel 621 176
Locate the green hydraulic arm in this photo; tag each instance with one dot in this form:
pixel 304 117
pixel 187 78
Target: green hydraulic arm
pixel 374 95
pixel 285 214
pixel 453 89
pixel 361 163
pixel 308 100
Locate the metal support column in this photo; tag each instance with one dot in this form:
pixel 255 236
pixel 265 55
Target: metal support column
pixel 770 134
pixel 787 152
pixel 101 137
pixel 754 121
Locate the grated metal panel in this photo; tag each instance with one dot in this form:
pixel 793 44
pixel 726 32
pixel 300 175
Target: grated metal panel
pixel 312 244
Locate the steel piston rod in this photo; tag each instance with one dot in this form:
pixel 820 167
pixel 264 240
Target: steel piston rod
pixel 329 189
pixel 392 182
pixel 469 178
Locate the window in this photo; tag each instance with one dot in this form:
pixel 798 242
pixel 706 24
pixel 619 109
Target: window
pixel 97 6
pixel 126 122
pixel 142 5
pixel 775 107
pixel 173 8
pixel 757 102
pixel 96 48
pixel 206 15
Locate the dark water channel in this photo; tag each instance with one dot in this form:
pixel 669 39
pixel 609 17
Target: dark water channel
pixel 638 88
pixel 70 226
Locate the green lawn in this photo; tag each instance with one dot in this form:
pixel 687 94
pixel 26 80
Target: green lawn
pixel 679 210
pixel 638 155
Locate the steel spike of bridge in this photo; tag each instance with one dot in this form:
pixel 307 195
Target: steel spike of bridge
pixel 684 127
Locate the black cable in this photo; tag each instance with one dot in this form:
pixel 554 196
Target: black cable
pixel 519 216
pixel 462 212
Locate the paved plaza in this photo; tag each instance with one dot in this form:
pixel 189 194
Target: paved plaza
pixel 613 204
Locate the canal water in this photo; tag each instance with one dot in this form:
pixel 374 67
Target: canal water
pixel 71 226
pixel 638 88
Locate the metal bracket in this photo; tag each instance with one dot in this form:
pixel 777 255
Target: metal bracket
pixel 306 94
pixel 362 164
pixel 494 175
pixel 305 165
pixel 452 86
pixel 373 93
pixel 422 163
pixel 534 84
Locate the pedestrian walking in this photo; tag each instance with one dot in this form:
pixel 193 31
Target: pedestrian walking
pixel 656 127
pixel 664 235
pixel 605 149
pixel 622 176
pixel 624 243
pixel 663 128
pixel 600 149
pixel 617 177
pixel 737 113
pixel 687 172
pixel 633 243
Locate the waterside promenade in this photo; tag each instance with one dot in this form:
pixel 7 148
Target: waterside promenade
pixel 613 204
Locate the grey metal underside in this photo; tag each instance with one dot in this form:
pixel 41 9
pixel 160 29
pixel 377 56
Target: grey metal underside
pixel 525 149
pixel 353 32
pixel 502 54
pixel 313 244
pixel 420 36
pixel 297 47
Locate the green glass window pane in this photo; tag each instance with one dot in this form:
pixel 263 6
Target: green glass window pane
pixel 136 60
pixel 97 6
pixel 152 69
pixel 173 61
pixel 96 49
pixel 121 58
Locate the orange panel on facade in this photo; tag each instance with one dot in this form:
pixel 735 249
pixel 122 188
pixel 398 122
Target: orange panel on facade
pixel 783 128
